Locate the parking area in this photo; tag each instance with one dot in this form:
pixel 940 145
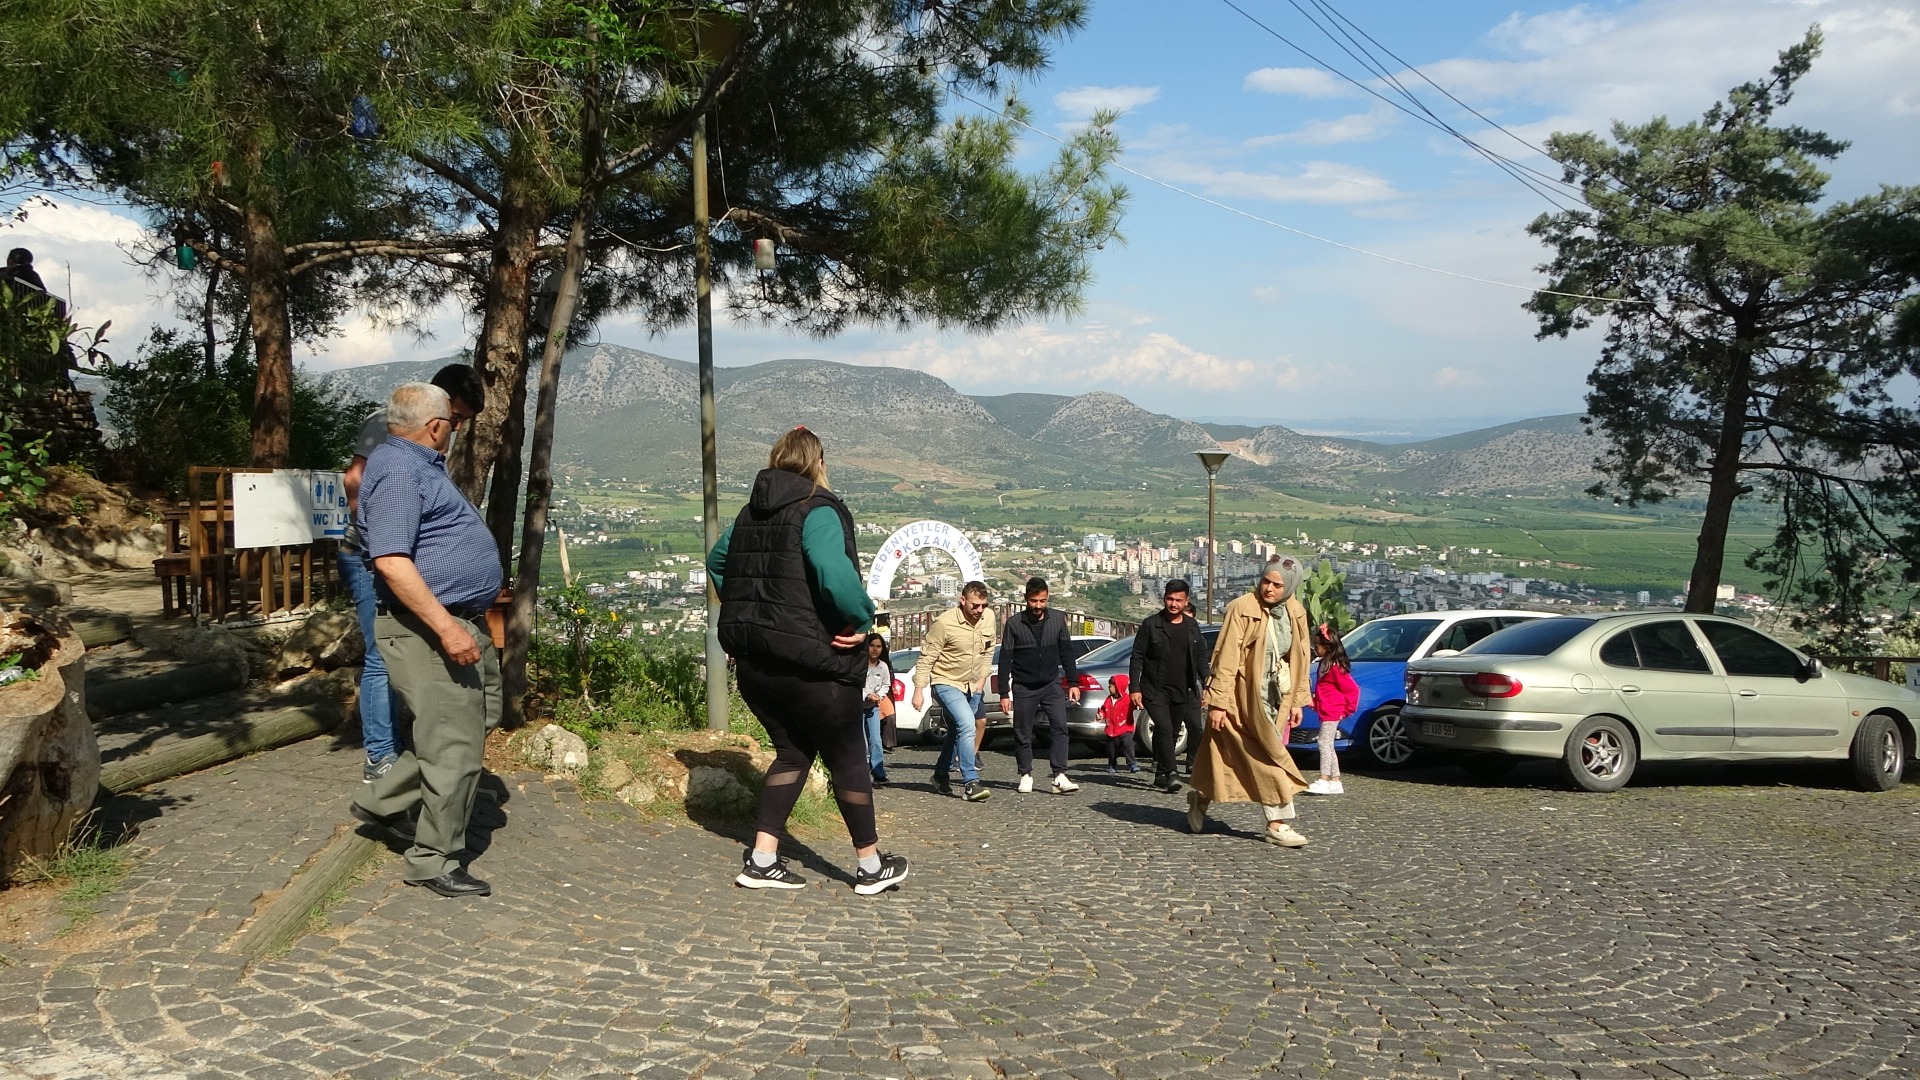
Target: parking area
pixel 1703 923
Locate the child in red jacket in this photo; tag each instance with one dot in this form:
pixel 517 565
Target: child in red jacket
pixel 1335 696
pixel 1117 711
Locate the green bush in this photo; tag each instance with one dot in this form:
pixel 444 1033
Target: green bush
pixel 170 412
pixel 594 679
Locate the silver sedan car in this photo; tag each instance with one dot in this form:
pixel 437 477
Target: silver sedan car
pixel 1603 693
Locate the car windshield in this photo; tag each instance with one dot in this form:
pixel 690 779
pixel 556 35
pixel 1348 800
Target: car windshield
pixel 904 658
pixel 1114 652
pixel 1391 640
pixel 1537 637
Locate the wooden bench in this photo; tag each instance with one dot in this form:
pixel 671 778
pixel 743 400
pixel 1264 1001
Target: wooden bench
pixel 174 571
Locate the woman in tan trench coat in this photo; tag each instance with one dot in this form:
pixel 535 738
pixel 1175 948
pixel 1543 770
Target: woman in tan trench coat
pixel 1254 699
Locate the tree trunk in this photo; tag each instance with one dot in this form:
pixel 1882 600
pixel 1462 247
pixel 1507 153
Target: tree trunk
pixel 503 494
pixel 272 338
pixel 1723 488
pixel 49 761
pixel 500 356
pixel 533 533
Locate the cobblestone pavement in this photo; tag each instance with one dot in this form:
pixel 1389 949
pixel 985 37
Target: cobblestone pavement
pixel 1704 923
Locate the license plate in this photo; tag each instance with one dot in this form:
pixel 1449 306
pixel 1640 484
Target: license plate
pixel 1439 731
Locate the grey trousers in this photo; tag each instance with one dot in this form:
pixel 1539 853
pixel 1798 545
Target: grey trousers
pixel 453 706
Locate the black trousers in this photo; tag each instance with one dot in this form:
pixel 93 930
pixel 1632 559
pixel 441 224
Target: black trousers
pixel 1028 703
pixel 806 716
pixel 1169 714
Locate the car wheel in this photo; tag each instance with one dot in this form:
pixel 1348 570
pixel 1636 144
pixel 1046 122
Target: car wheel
pixel 1879 754
pixel 1143 737
pixel 933 730
pixel 1489 766
pixel 1600 754
pixel 1385 741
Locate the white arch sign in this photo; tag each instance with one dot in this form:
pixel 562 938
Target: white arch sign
pixel 913 537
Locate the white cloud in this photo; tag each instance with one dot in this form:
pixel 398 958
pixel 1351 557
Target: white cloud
pixel 1084 101
pixel 1324 182
pixel 1268 294
pixel 1355 127
pixel 1675 57
pixel 1450 376
pixel 1074 360
pixel 1297 82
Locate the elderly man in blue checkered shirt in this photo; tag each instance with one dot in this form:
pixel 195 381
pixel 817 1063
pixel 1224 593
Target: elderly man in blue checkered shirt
pixel 438 572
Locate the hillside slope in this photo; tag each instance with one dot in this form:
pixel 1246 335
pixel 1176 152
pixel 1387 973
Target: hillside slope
pixel 634 414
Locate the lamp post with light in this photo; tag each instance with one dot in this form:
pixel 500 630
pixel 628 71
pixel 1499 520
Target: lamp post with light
pixel 1212 460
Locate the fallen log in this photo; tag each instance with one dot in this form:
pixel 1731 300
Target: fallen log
pixel 280 916
pixel 107 696
pixel 204 751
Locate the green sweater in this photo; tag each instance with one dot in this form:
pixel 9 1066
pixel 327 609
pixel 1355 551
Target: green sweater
pixel 835 582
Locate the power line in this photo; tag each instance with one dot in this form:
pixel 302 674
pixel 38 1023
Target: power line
pixel 1196 196
pixel 1520 172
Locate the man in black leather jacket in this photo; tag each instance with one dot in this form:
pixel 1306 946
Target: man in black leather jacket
pixel 1168 674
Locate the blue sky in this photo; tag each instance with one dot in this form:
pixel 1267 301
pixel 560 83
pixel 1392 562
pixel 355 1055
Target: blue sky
pixel 1205 312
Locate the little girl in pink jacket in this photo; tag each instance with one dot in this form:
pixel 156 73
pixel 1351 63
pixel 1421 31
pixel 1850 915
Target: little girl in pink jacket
pixel 1335 696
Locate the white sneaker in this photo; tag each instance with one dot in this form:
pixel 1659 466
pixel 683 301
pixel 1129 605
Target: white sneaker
pixel 1326 787
pixel 1026 782
pixel 1063 786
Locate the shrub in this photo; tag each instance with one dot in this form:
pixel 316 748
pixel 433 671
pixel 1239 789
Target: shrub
pixel 169 411
pixel 593 678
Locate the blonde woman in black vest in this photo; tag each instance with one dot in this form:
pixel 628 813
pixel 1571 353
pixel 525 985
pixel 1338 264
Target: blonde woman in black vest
pixel 794 616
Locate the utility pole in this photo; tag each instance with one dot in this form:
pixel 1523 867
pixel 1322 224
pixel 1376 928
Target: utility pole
pixel 709 440
pixel 1211 460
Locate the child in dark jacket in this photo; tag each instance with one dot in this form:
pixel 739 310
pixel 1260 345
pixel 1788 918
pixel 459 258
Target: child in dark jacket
pixel 1335 696
pixel 1117 711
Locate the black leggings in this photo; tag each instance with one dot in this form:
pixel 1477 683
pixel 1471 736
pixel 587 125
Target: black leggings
pixel 807 716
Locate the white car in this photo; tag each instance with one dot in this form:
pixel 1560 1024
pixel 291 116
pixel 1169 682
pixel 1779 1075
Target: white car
pixel 910 722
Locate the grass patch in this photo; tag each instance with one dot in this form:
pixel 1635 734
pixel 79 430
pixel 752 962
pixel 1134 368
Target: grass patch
pixel 84 871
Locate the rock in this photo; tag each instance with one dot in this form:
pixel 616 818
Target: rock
pixel 637 793
pixel 49 761
pixel 818 783
pixel 326 641
pixel 615 774
pixel 712 788
pixel 199 644
pixel 557 750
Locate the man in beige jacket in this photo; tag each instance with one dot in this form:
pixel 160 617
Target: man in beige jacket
pixel 1254 698
pixel 954 661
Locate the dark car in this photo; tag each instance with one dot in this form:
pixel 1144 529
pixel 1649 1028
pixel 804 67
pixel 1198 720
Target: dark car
pixel 997 722
pixel 1083 720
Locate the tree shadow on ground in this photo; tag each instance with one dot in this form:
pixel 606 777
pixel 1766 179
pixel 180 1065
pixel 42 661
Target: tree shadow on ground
pixel 735 818
pixel 118 819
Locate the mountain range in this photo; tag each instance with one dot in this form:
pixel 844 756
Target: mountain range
pixel 633 414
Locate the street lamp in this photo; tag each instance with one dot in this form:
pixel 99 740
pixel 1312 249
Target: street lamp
pixel 1212 460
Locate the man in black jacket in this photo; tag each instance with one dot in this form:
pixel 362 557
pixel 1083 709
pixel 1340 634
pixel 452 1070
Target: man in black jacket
pixel 1036 655
pixel 1168 674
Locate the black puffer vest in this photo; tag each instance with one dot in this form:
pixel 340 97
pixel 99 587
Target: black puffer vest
pixel 767 610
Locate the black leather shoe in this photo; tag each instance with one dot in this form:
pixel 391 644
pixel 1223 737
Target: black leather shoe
pixel 456 882
pixel 397 826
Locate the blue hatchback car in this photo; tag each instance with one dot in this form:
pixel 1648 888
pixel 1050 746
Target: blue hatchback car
pixel 1380 651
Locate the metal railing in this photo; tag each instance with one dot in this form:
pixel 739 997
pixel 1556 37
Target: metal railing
pixel 909 628
pixel 1880 667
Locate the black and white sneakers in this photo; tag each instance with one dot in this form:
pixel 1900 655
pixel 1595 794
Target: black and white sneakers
pixel 893 870
pixel 776 876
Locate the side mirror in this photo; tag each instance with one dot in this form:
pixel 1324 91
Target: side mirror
pixel 1812 669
